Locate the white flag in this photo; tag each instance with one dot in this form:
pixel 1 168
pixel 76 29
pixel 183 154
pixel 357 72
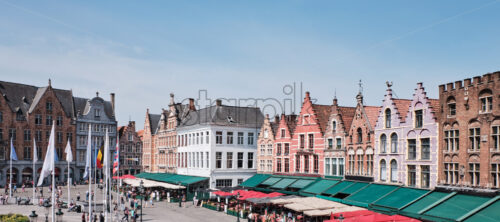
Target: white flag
pixel 89 154
pixel 106 152
pixel 49 162
pixel 69 153
pixel 35 153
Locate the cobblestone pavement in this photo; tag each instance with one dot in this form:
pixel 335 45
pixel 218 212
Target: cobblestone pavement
pixel 161 211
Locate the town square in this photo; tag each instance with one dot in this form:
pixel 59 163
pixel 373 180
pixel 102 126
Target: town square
pixel 262 111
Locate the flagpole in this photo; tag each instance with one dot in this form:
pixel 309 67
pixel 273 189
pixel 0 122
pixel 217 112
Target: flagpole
pixel 34 168
pixel 53 174
pixel 69 183
pixel 89 160
pixel 106 174
pixel 10 180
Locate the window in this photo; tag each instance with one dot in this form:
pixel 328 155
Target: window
pixel 302 141
pixel 27 135
pixel 341 167
pixel 250 160
pixel 495 136
pixel 412 149
pixel 1 117
pixel 270 149
pixel 12 134
pixel 229 139
pixel 229 160
pixel 240 160
pixel 278 149
pixel 27 153
pixel 351 163
pixel 425 146
pixel 297 163
pixel 360 164
pixel 451 173
pixel 250 138
pixel 311 140
pixel 48 120
pixel 412 175
pixel 207 137
pixel 262 150
pixel 383 143
pixel 287 149
pixel 475 139
pixel 425 176
pixel 383 170
pixel 20 116
pixel 394 171
pixel 287 165
pixel 262 165
pixel 240 138
pixel 394 143
pixel 486 103
pixel 59 137
pixel 419 118
pixel 48 106
pixel 218 137
pixel 38 119
pixel 269 165
pixel 2 153
pixel 330 143
pixel 266 133
pixel 388 118
pixel 452 108
pixel 306 163
pixel 59 121
pixel 495 175
pixel 97 113
pixel 360 135
pixel 283 133
pixel 369 164
pixel 339 143
pixel 197 138
pixel 316 164
pixel 327 166
pixel 278 165
pixel 224 183
pixel 240 181
pixel 207 159
pixel 451 140
pixel 218 160
pixel 1 134
pixel 69 137
pixel 334 125
pixel 474 174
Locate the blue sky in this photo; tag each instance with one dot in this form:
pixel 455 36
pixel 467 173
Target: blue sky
pixel 143 50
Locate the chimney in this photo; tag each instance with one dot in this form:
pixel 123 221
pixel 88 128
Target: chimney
pixel 308 95
pixel 171 98
pixel 335 102
pixel 276 119
pixel 113 102
pixel 50 83
pixel 191 104
pixel 218 102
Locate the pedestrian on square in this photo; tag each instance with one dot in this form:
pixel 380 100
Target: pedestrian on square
pixel 125 214
pixel 15 188
pixel 95 217
pixel 101 217
pixel 41 191
pixel 87 196
pixel 78 196
pixel 83 217
pixel 23 187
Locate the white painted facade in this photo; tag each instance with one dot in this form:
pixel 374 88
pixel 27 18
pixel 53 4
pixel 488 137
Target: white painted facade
pixel 199 153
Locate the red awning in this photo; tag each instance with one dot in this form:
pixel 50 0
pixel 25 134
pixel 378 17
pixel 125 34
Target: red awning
pixel 369 216
pixel 128 176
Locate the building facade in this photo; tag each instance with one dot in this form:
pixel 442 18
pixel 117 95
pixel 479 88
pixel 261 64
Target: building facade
pixel 360 143
pixel 149 152
pixel 265 144
pixel 130 150
pixel 406 140
pixel 470 133
pixel 27 114
pixel 283 140
pixel 219 142
pixel 336 135
pixel 100 115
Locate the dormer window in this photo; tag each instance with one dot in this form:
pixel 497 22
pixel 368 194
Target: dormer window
pixel 230 119
pixel 20 116
pixel 283 134
pixel 48 106
pixel 97 113
pixel 388 118
pixel 360 135
pixel 334 125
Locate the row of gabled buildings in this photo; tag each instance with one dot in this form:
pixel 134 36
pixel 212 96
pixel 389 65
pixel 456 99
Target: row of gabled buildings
pixel 419 142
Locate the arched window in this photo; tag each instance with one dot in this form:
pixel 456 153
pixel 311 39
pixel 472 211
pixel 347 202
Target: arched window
pixel 266 133
pixel 383 143
pixel 360 135
pixel 383 170
pixel 334 125
pixel 394 143
pixel 394 171
pixel 388 118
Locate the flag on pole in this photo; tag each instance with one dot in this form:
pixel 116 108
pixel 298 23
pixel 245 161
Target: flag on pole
pixel 116 159
pixel 35 153
pixel 69 153
pixel 99 158
pixel 13 155
pixel 49 162
pixel 88 163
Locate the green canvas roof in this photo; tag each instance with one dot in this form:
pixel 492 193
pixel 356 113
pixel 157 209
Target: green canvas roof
pixel 371 193
pixel 271 181
pixel 490 213
pixel 338 187
pixel 282 184
pixel 184 180
pixel 456 206
pixel 424 202
pixel 320 186
pixel 354 188
pixel 400 198
pixel 299 184
pixel 255 180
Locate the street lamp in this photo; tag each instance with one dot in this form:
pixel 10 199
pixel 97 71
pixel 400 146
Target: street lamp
pixel 47 206
pixel 141 189
pixel 238 207
pixel 59 215
pixel 180 197
pixel 33 216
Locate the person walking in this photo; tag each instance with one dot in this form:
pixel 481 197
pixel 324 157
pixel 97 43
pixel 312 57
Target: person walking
pixel 78 196
pixel 125 214
pixel 83 217
pixel 101 217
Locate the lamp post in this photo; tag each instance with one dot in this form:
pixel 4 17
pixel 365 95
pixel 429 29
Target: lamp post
pixel 47 206
pixel 33 216
pixel 180 197
pixel 141 189
pixel 59 215
pixel 238 207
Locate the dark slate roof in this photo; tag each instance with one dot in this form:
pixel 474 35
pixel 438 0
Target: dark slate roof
pixel 154 122
pixel 82 105
pixel 225 116
pixel 26 97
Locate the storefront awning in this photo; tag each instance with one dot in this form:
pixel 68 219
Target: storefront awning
pixel 398 199
pixel 255 180
pixel 320 186
pixel 284 183
pixel 150 183
pixel 175 179
pixel 370 194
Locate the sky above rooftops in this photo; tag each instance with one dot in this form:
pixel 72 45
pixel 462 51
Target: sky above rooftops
pixel 143 50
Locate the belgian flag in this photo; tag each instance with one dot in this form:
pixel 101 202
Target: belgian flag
pixel 99 157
